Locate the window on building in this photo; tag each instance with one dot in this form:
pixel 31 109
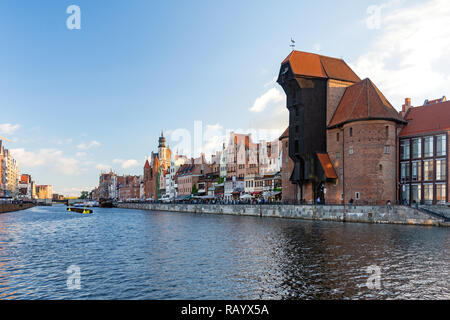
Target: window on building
pixel 416 171
pixel 351 132
pixel 441 169
pixel 416 193
pixel 441 194
pixel 387 131
pixel 357 195
pixel 404 149
pixel 405 193
pixel 428 193
pixel 404 171
pixel 428 170
pixel 441 145
pixel 351 151
pixel 428 146
pixel 417 148
pixel 381 167
pixel 387 149
pixel 337 137
pixel 338 155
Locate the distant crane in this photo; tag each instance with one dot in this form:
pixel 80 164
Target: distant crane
pixel 2 138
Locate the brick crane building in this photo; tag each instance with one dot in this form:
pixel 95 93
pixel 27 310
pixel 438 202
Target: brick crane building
pixel 342 132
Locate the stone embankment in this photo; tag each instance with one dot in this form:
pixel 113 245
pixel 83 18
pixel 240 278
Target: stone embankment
pixel 9 207
pixel 362 214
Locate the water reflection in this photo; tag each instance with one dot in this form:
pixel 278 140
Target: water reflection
pixel 132 254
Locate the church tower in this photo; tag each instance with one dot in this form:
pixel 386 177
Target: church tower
pixel 164 153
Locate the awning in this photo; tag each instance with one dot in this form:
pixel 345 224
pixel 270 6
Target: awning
pixel 204 197
pixel 327 166
pixel 183 197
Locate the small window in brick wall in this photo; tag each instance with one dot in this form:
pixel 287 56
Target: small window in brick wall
pixel 357 195
pixel 351 151
pixel 387 150
pixel 351 132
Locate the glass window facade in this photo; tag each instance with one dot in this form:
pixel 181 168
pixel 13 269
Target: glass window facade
pixel 441 169
pixel 416 173
pixel 428 193
pixel 441 145
pixel 428 170
pixel 416 194
pixel 423 169
pixel 441 194
pixel 416 148
pixel 428 147
pixel 404 150
pixel 404 171
pixel 405 194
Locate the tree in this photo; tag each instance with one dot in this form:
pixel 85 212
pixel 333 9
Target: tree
pixel 194 189
pixel 84 195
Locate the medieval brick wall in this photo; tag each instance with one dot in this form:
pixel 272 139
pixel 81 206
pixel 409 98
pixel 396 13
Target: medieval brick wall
pixel 365 162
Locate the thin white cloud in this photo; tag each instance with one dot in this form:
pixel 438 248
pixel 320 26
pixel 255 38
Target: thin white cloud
pixel 261 103
pixel 271 82
pixel 7 128
pixel 53 159
pixel 102 167
pixel 409 57
pixel 81 154
pixel 125 164
pixel 89 145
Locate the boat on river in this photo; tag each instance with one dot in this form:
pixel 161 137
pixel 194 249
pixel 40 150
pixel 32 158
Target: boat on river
pixel 106 203
pixel 80 210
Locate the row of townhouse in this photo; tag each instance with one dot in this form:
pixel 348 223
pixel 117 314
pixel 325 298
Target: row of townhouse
pixel 9 173
pixel 241 168
pixel 19 186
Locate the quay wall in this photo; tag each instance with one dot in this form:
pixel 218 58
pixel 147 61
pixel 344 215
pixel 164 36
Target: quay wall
pixel 361 214
pixel 9 207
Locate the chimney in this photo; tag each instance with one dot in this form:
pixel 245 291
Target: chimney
pixel 405 107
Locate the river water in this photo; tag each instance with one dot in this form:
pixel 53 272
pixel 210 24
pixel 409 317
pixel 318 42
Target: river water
pixel 134 254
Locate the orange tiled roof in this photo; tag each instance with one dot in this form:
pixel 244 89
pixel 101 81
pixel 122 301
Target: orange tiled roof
pixel 147 164
pixel 426 119
pixel 314 65
pixel 327 166
pixel 363 101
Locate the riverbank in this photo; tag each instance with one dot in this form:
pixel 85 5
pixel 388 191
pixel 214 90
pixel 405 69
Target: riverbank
pixel 361 214
pixel 9 207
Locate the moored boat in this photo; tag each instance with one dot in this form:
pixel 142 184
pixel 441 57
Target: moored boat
pixel 80 210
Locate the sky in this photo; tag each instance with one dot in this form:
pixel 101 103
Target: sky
pixel 75 102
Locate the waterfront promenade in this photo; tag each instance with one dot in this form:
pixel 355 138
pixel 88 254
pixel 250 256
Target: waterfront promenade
pixel 362 214
pixel 10 207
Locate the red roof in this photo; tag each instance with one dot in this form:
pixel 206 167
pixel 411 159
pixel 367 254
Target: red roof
pixel 363 101
pixel 425 119
pixel 147 164
pixel 327 166
pixel 314 65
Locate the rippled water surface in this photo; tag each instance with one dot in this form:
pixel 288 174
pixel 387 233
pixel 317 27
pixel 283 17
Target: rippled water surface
pixel 133 254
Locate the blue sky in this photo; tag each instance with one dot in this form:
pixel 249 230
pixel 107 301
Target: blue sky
pixel 75 102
